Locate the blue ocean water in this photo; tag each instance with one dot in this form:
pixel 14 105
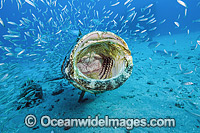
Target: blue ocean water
pixel 163 37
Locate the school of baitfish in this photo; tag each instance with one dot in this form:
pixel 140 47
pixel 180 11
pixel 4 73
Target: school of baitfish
pixel 35 37
pixel 57 23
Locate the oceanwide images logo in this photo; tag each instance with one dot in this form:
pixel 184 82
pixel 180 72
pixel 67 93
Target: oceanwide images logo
pixel 129 123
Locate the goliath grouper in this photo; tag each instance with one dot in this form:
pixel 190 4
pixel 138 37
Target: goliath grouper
pixel 100 61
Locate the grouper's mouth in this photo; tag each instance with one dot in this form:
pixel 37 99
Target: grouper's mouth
pixel 100 61
pixel 101 56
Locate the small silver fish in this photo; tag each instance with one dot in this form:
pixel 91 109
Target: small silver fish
pixel 30 3
pixel 9 54
pixel 58 32
pixel 185 12
pixel 131 9
pixel 4 77
pixel 153 44
pixel 198 41
pixel 12 23
pixel 2 64
pixel 187 83
pixel 177 24
pixel 11 36
pixel 182 3
pixel 189 72
pixel 188 31
pixel 143 31
pixel 127 2
pixel 1 21
pixel 152 29
pixel 143 19
pixel 80 22
pixel 115 4
pixel 2 4
pixel 26 20
pixel 162 21
pixel 21 52
pixel 180 67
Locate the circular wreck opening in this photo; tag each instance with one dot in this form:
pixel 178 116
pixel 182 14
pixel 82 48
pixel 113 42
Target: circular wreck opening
pixel 101 60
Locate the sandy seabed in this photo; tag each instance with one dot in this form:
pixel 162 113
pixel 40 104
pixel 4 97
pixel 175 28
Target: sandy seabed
pixel 156 89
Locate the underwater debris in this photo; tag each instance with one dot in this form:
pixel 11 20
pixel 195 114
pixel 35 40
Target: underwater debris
pixel 179 105
pixel 129 96
pixel 37 127
pixel 57 92
pixel 31 94
pixel 127 131
pixel 150 83
pixel 67 127
pixel 51 108
pixel 168 88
